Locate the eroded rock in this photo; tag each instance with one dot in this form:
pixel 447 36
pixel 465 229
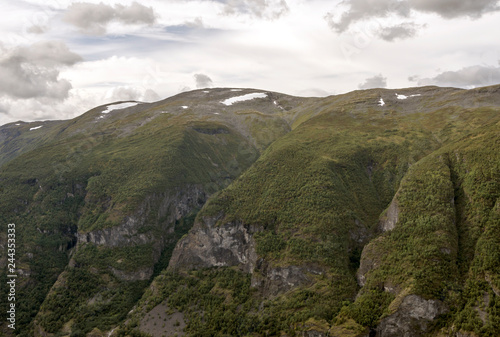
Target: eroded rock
pixel 211 245
pixel 412 317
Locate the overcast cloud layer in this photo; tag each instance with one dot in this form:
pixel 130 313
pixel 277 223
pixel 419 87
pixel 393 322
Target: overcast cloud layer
pixel 59 59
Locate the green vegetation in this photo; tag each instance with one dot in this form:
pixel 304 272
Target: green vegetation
pixel 101 203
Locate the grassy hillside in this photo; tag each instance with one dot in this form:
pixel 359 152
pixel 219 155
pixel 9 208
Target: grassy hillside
pixel 149 165
pixel 101 202
pixel 317 195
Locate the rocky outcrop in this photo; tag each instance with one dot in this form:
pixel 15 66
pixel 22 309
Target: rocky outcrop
pixel 161 211
pixel 370 259
pixel 122 235
pixel 211 245
pixel 169 206
pixel 272 281
pixel 232 244
pixel 390 217
pixel 412 317
pixel 138 275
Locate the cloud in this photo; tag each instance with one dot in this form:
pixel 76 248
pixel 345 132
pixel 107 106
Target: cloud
pixel 349 12
pixel 402 31
pixel 33 71
pixel 468 77
pixel 129 93
pixel 452 8
pixel 93 19
pixel 196 23
pixel 267 9
pixel 365 9
pixel 203 81
pixel 36 29
pixel 377 81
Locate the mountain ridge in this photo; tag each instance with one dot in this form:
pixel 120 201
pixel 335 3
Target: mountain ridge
pixel 303 207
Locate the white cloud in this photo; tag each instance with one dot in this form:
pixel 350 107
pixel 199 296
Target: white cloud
pixel 93 18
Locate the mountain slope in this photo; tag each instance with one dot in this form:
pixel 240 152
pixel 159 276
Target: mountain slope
pixel 121 186
pixel 275 215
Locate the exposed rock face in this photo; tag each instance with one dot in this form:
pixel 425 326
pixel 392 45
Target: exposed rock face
pixel 390 218
pixel 273 281
pixel 169 207
pixel 232 244
pixel 370 259
pixel 139 275
pixel 412 317
pixel 208 245
pixel 172 206
pixel 123 235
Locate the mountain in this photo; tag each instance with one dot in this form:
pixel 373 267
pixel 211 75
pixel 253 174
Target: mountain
pixel 242 212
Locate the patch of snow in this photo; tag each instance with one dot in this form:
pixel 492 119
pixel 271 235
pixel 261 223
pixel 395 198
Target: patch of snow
pixel 381 102
pixel 216 113
pixel 119 106
pixel 247 97
pixel 185 107
pixel 18 124
pixel 236 90
pixel 36 127
pixel 405 97
pixel 206 91
pixel 275 103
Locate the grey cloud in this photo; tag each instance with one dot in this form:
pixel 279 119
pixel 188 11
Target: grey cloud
pixel 268 9
pixel 150 96
pixel 352 11
pixel 4 108
pixel 135 14
pixel 46 53
pixel 473 76
pixel 365 9
pixel 127 93
pixel 33 71
pixel 314 92
pixel 93 18
pixel 401 31
pixel 196 23
pixel 36 29
pixel 454 8
pixel 203 81
pixel 377 81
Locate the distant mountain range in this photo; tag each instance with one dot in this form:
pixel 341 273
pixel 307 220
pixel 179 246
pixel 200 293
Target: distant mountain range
pixel 243 212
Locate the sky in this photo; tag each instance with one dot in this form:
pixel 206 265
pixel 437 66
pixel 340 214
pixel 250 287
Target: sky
pixel 59 59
